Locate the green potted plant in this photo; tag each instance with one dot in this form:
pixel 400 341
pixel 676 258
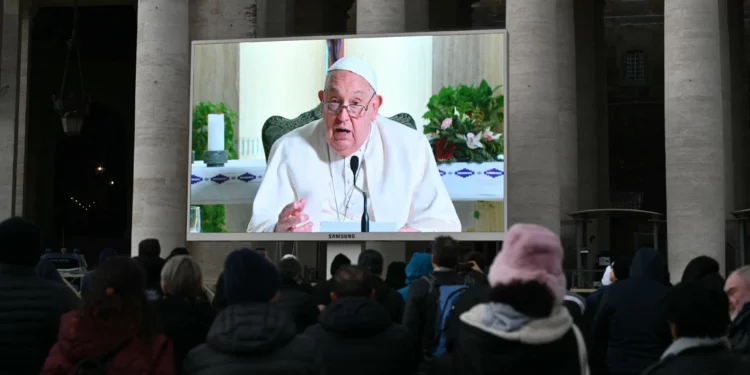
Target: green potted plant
pixel 465 124
pixel 465 133
pixel 213 217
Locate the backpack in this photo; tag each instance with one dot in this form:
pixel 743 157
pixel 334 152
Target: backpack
pixel 88 366
pixel 439 309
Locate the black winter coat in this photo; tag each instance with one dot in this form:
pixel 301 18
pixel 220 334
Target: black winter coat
pixel 30 312
pixel 254 338
pixel 299 302
pixel 739 331
pixel 356 335
pixel 389 298
pixel 542 347
pixel 184 322
pixel 709 360
pixel 631 321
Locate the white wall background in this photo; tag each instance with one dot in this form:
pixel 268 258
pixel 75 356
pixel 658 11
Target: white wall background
pixel 404 69
pixel 277 79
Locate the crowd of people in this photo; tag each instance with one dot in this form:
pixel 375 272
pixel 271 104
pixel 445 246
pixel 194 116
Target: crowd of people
pixel 442 313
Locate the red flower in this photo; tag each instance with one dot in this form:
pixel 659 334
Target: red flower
pixel 444 150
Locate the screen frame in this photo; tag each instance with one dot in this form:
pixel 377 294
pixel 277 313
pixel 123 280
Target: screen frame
pixel 355 236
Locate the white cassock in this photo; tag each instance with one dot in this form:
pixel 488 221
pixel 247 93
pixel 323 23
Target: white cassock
pixel 398 172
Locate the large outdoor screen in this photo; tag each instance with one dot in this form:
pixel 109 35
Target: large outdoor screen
pixel 396 137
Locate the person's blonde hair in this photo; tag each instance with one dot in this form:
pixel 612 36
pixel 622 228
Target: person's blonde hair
pixel 182 277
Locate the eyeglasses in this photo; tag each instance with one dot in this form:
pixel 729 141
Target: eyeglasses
pixel 355 110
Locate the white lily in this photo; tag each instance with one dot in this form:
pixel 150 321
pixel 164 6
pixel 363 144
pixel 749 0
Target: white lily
pixel 473 141
pixel 489 135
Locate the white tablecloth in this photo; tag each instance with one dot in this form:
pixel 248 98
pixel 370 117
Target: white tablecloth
pixel 238 181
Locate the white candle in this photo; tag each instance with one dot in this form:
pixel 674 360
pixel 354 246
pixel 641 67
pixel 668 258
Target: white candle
pixel 216 132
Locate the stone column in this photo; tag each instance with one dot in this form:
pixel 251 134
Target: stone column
pixel 533 181
pixel 567 121
pixel 162 128
pixel 23 106
pixel 224 19
pixel 694 132
pixel 10 48
pixel 381 16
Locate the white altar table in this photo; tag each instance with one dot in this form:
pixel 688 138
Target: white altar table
pixel 238 181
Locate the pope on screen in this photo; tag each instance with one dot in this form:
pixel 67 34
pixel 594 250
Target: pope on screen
pixel 309 179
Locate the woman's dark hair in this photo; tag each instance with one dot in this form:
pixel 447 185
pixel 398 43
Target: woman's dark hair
pixel 446 252
pixel 700 267
pixel 621 267
pixel 532 299
pixel 178 251
pixel 118 292
pixel 338 261
pixel 698 309
pixel 372 260
pixel 396 275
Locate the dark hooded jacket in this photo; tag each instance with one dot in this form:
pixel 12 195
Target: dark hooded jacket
pixel 30 311
pixel 389 298
pixel 631 321
pixel 356 335
pixel 254 338
pixel 539 347
pixel 299 303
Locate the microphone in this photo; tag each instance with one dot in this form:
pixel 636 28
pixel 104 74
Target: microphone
pixel 354 165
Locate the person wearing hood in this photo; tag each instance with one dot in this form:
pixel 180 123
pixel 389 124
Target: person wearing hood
pixel 356 332
pixel 524 329
pixel 30 306
pixel 293 297
pixel 389 298
pixel 631 321
pixel 419 266
pixel 253 335
pixel 322 290
pixel 696 311
pixel 114 329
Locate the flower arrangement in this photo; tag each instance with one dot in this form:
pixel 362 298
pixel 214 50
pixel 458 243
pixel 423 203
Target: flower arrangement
pixel 463 122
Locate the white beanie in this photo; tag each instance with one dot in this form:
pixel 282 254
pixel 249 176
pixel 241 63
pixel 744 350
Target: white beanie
pixel 357 66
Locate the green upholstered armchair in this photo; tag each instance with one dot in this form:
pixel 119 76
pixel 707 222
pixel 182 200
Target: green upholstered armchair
pixel 277 126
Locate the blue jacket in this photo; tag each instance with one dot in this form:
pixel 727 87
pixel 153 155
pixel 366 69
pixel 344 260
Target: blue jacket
pixel 419 266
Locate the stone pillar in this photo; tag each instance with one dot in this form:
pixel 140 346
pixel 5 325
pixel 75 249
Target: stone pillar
pixel 736 31
pixel 23 107
pixel 567 121
pixel 694 132
pixel 275 18
pixel 10 47
pixel 533 181
pixel 381 16
pixel 224 19
pixel 162 128
pixel 601 227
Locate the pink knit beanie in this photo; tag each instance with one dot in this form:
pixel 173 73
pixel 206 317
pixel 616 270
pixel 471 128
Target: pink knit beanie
pixel 530 253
